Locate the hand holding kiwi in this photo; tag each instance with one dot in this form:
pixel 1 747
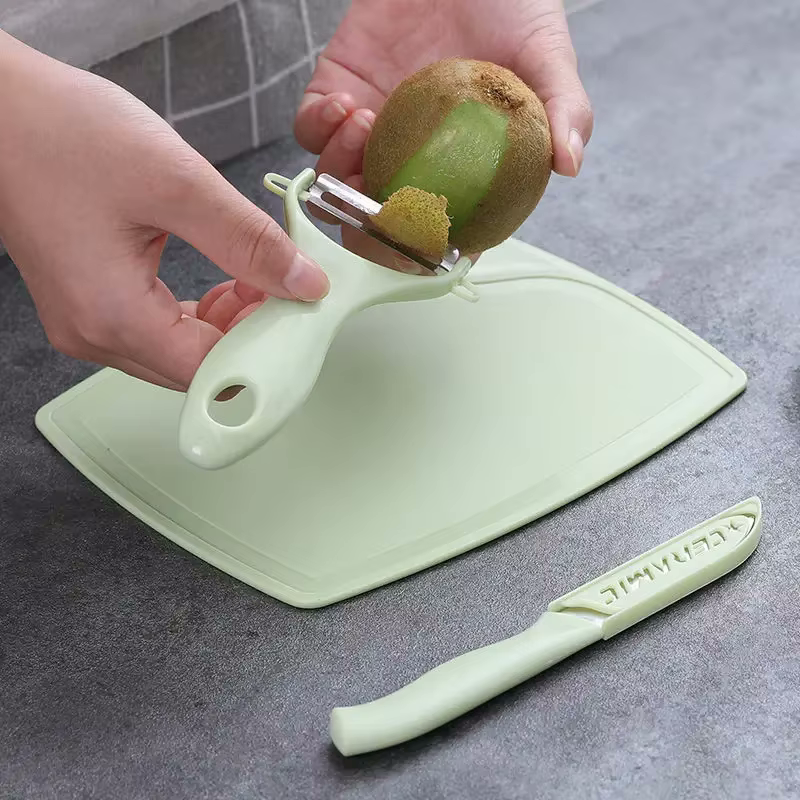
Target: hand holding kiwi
pixel 460 152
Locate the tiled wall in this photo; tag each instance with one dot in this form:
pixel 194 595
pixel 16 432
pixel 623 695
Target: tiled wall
pixel 232 80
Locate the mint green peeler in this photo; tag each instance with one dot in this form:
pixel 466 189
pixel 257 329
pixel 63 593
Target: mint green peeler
pixel 278 351
pixel 597 610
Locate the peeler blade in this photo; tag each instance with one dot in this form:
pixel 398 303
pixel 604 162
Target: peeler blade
pixel 327 184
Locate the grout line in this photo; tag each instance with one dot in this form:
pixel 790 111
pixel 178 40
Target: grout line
pixel 194 112
pixel 167 80
pixel 251 73
pixel 307 29
pixel 316 53
pixel 229 101
pixel 279 76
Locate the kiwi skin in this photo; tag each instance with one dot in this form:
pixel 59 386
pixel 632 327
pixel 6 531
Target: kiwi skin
pixel 419 104
pixel 417 219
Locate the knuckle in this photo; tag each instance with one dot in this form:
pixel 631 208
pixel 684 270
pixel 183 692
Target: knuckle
pixel 556 46
pixel 66 342
pixel 95 332
pixel 255 242
pixel 178 183
pixel 551 35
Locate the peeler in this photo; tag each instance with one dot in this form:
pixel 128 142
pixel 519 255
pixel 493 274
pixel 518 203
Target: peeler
pixel 278 351
pixel 597 610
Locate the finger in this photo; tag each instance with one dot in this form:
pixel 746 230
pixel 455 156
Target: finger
pixel 249 294
pixel 547 63
pixel 330 77
pixel 210 297
pixel 107 358
pixel 245 312
pixel 142 373
pixel 571 123
pixel 229 304
pixel 189 307
pixel 224 309
pixel 156 335
pixel 231 391
pixel 202 208
pixel 344 154
pixel 319 117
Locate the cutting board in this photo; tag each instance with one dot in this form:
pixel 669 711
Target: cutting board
pixel 435 427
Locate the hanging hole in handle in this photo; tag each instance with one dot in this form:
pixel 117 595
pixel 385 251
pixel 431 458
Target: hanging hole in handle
pixel 233 406
pixel 277 184
pixel 466 290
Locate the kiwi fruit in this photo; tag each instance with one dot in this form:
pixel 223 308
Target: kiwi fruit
pixel 471 132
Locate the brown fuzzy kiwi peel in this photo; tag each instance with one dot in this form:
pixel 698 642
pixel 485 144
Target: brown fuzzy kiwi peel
pixel 416 219
pixel 417 107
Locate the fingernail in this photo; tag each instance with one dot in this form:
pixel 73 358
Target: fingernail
pixel 353 135
pixel 333 112
pixel 305 280
pixel 575 147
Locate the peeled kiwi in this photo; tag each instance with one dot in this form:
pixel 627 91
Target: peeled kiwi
pixel 468 131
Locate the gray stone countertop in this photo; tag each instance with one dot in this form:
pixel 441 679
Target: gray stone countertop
pixel 130 669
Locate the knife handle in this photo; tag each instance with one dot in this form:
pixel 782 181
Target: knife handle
pixel 460 685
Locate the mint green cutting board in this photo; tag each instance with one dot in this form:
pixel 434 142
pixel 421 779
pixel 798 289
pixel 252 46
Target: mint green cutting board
pixel 435 426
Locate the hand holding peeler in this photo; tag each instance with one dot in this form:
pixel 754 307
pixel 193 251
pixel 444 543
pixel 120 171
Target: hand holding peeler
pixel 278 351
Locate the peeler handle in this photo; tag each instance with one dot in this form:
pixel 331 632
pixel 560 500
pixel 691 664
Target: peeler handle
pixel 458 686
pixel 278 351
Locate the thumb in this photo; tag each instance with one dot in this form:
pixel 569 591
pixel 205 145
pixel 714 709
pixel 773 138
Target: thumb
pixel 571 125
pixel 547 63
pixel 242 240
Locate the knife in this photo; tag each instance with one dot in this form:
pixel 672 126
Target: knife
pixel 597 610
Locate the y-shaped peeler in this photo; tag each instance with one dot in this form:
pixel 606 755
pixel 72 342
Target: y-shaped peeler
pixel 278 351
